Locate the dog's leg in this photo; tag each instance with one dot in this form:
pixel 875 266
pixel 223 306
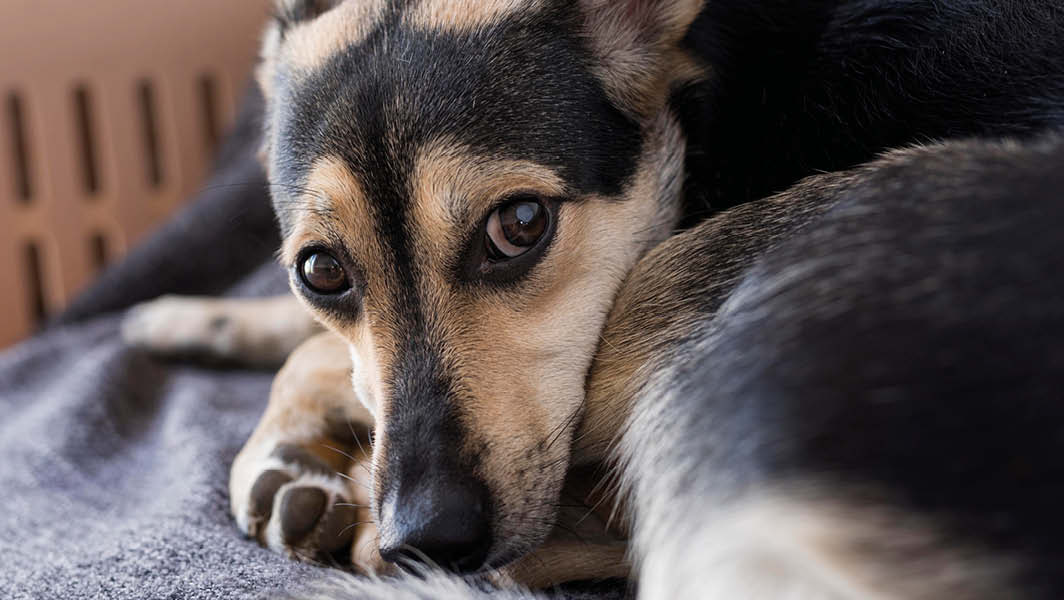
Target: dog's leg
pixel 674 289
pixel 301 484
pixel 788 414
pixel 249 331
pixel 560 561
pixel 589 540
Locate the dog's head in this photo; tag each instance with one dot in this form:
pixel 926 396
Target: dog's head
pixel 462 186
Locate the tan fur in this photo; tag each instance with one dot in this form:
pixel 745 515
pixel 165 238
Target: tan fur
pixel 306 46
pixel 337 207
pixel 555 562
pixel 453 187
pixel 464 15
pixel 334 204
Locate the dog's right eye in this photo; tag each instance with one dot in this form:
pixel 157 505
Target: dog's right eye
pixel 323 274
pixel 511 239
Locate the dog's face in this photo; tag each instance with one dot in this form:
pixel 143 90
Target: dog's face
pixel 462 186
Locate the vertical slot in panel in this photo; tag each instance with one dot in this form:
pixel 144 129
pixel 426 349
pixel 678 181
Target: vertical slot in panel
pixel 16 118
pixel 150 125
pixel 34 277
pixel 99 251
pixel 208 92
pixel 86 139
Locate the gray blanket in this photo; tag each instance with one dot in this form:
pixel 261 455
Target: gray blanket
pixel 113 473
pixel 114 465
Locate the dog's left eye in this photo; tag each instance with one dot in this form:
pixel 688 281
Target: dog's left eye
pixel 515 227
pixel 323 274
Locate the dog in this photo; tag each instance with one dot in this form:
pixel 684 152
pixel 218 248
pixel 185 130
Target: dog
pixel 677 245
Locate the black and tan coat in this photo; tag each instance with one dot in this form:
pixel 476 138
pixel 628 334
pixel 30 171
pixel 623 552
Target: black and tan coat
pixel 507 217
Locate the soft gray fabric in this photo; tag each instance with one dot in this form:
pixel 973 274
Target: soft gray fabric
pixel 113 471
pixel 114 465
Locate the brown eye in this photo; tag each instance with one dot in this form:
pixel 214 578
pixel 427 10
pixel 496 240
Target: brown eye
pixel 323 274
pixel 514 228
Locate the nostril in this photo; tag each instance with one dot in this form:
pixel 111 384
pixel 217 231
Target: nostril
pixel 453 532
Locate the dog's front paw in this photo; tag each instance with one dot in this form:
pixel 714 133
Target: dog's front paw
pixel 251 331
pixel 180 326
pixel 296 503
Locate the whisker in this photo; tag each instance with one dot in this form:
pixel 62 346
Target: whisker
pixel 355 524
pixel 339 451
pixel 565 424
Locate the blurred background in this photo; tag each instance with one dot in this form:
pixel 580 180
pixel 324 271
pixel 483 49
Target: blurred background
pixel 109 114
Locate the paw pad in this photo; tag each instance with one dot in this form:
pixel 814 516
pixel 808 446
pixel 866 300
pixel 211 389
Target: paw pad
pixel 299 504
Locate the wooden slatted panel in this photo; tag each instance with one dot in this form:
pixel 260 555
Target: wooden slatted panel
pixel 13 283
pixel 115 127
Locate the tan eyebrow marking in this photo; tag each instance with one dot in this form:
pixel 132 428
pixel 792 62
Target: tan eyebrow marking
pixel 453 186
pixel 334 205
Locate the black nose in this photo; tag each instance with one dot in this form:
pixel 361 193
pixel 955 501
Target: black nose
pixel 443 522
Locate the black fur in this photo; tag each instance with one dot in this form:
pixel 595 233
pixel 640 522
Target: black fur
pixel 919 350
pixel 908 344
pixel 806 87
pixel 918 356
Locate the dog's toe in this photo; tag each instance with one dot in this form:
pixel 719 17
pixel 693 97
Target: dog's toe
pixel 260 506
pixel 301 509
pixel 300 506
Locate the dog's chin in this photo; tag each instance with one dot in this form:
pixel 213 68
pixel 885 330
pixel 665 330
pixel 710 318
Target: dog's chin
pixel 523 534
pixel 513 551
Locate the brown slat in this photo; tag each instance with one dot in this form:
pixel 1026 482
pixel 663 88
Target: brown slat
pixel 112 48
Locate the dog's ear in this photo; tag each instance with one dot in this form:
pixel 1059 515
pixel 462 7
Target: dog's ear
pixel 290 12
pixel 652 21
pixel 637 43
pixel 287 14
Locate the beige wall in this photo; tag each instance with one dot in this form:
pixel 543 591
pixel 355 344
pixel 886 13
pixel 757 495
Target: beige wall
pixel 109 111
